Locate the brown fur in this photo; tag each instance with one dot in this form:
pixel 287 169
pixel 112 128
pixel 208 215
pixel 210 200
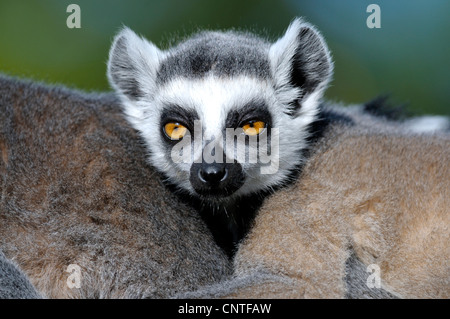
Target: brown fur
pixel 75 188
pixel 383 196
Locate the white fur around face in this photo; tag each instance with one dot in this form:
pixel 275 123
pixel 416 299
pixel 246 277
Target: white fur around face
pixel 213 98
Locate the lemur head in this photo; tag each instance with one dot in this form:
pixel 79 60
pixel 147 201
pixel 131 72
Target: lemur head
pixel 191 98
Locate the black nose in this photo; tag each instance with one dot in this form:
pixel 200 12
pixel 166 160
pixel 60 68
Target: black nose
pixel 212 174
pixel 216 179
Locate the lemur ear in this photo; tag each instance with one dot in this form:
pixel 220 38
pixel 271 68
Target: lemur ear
pixel 300 59
pixel 133 64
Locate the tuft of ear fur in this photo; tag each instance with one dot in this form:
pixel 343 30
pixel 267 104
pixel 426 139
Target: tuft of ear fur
pixel 133 64
pixel 300 60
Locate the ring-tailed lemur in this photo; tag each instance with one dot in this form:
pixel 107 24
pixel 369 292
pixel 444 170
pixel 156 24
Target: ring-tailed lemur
pixel 186 100
pixel 215 81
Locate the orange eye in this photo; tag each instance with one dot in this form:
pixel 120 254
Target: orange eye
pixel 175 131
pixel 254 127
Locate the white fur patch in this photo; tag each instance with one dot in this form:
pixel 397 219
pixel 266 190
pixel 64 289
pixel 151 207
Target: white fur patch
pixel 428 124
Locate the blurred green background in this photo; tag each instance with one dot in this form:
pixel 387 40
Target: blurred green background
pixel 409 57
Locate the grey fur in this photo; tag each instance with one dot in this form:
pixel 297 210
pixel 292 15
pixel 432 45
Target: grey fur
pixel 75 188
pixel 356 281
pixel 356 284
pixel 129 85
pixel 14 284
pixel 227 288
pixel 223 54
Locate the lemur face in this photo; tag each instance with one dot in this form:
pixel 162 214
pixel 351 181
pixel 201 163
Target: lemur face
pixel 220 124
pixel 223 114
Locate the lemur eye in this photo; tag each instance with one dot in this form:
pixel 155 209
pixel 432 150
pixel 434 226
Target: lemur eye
pixel 254 127
pixel 175 131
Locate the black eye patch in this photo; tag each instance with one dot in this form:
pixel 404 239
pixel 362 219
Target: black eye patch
pixel 253 110
pixel 177 114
